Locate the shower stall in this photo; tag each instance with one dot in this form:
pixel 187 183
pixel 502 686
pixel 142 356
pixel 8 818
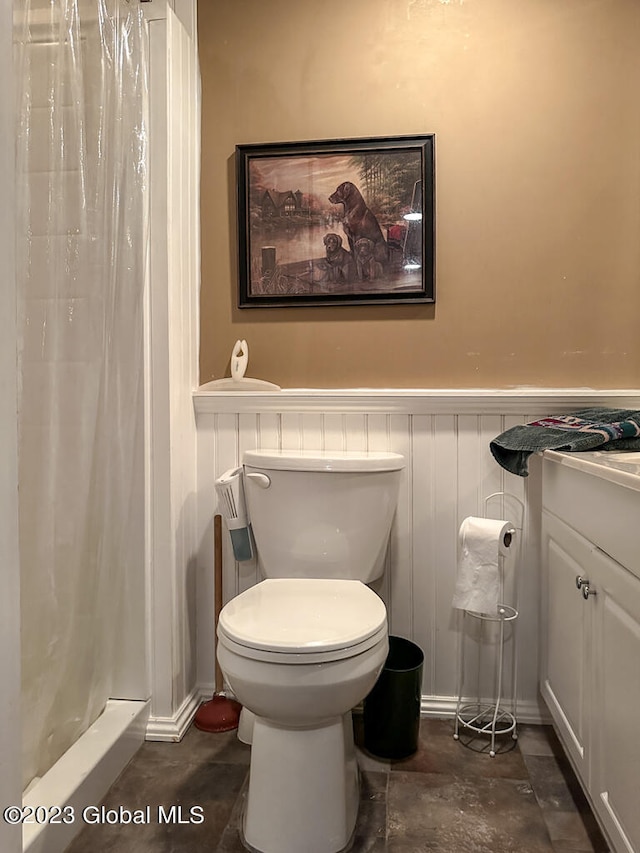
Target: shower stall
pixel 105 309
pixel 81 192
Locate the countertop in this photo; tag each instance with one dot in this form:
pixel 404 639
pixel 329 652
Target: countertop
pixel 620 467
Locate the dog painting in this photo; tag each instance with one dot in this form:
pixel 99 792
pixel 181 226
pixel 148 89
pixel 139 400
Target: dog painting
pixel 358 221
pixel 336 222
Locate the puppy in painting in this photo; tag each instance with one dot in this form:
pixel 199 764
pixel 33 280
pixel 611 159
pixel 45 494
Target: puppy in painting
pixel 367 266
pixel 340 266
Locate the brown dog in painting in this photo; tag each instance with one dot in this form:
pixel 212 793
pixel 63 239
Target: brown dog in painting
pixel 340 266
pixel 367 266
pixel 358 221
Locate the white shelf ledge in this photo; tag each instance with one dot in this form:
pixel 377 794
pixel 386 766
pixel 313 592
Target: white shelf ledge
pixel 450 401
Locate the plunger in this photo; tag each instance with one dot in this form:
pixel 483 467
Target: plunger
pixel 219 714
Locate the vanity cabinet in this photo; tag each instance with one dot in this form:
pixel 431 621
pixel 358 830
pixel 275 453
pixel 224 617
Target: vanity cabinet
pixel 590 655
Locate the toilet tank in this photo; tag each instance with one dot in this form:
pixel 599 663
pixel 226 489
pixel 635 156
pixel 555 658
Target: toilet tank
pixel 321 514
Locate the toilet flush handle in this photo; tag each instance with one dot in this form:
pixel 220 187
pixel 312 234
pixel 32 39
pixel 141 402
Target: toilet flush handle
pixel 259 479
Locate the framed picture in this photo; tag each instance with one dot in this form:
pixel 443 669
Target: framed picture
pixel 341 222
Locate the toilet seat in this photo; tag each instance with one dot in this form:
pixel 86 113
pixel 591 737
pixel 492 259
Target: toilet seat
pixel 303 620
pixel 290 658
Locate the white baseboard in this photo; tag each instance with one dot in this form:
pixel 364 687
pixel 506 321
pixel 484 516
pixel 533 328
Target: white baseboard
pixel 531 712
pixel 172 729
pixel 84 774
pixel 444 707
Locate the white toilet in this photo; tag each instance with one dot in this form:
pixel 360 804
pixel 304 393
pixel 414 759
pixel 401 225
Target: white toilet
pixel 304 646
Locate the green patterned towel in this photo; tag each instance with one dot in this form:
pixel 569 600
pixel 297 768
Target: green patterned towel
pixel 588 429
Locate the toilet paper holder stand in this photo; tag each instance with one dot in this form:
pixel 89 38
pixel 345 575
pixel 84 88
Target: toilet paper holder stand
pixel 493 715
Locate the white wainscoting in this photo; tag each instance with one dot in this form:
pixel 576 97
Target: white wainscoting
pixel 444 437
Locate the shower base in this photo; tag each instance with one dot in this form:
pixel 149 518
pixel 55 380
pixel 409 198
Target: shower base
pixel 83 775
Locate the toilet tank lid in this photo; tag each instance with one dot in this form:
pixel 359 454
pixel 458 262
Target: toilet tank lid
pixel 323 460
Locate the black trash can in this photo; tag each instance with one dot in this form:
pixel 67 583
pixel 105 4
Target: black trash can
pixel 392 709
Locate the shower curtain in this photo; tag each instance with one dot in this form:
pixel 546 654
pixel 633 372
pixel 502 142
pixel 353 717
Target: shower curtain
pixel 81 246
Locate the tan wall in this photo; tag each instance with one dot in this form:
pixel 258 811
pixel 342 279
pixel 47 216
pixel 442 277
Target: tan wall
pixel 536 113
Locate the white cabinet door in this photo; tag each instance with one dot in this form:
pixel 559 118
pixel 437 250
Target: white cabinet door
pixel 566 646
pixel 615 783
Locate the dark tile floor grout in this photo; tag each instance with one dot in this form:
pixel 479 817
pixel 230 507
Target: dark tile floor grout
pixel 448 797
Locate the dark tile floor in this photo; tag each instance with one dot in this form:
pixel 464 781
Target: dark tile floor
pixel 448 797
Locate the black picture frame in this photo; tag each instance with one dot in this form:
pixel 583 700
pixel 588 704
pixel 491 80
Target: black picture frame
pixel 336 222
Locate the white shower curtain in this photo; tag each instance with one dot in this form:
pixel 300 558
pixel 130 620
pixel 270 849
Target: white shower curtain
pixel 81 177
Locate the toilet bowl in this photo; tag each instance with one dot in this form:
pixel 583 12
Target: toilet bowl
pixel 300 653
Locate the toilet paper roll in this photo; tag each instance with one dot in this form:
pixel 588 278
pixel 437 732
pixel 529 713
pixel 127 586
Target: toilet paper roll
pixel 482 542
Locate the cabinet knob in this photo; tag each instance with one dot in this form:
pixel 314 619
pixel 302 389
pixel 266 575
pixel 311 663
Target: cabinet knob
pixel 586 592
pixel 580 581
